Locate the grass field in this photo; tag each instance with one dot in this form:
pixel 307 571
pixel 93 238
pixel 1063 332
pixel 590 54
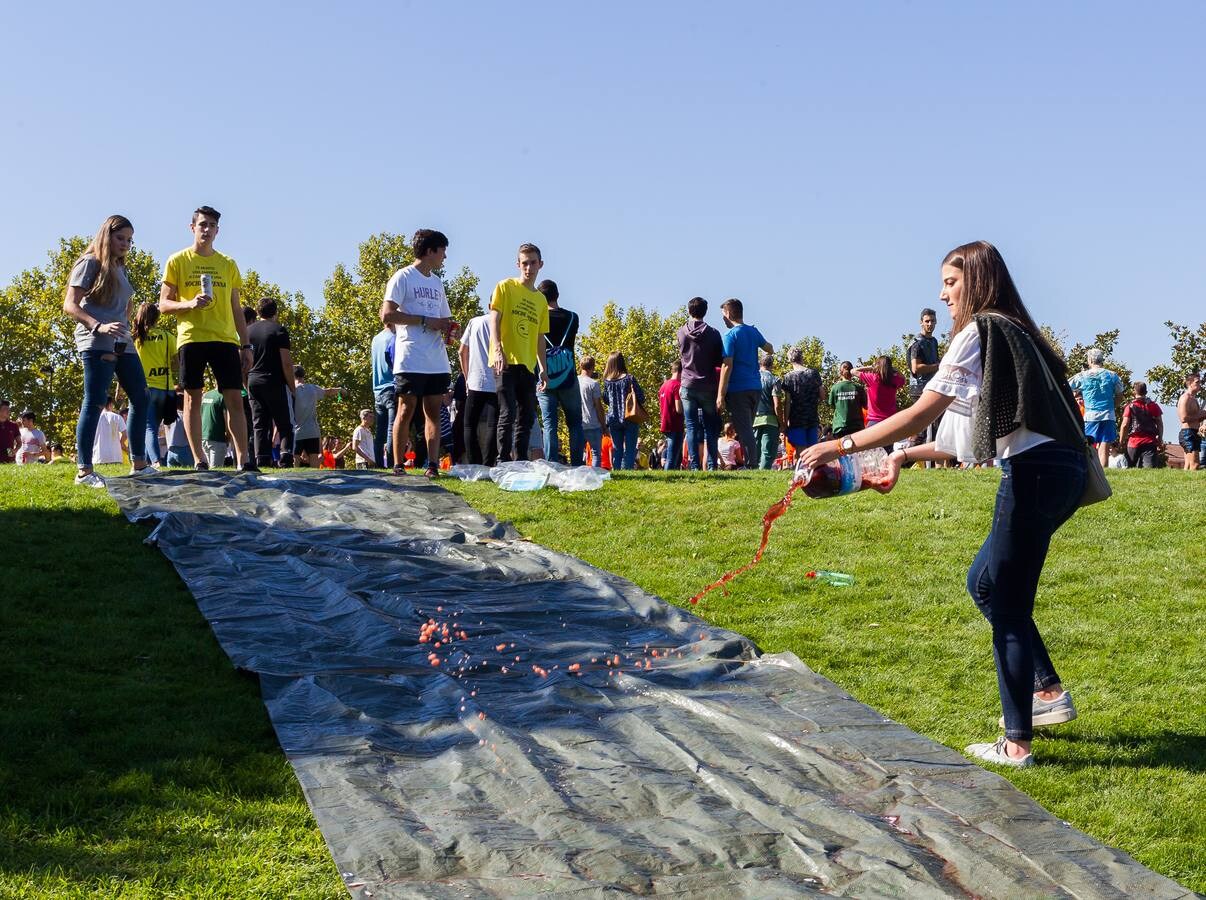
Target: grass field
pixel 136 763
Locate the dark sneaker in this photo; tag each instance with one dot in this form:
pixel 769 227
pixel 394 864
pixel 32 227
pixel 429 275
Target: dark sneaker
pixel 1046 713
pixel 399 470
pixel 248 469
pixel 995 753
pixel 200 466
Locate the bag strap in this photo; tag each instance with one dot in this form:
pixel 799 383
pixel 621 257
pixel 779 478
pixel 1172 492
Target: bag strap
pixel 564 334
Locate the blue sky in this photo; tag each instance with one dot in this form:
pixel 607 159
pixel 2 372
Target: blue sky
pixel 815 160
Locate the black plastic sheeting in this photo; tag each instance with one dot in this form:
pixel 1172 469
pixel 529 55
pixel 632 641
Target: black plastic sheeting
pixel 707 769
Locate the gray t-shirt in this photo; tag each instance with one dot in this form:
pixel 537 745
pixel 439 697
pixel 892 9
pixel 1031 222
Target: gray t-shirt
pixel 84 276
pixel 591 395
pixel 305 411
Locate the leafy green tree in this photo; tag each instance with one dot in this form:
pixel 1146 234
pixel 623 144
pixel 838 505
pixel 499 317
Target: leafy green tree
pixel 1167 380
pixel 647 340
pixel 39 366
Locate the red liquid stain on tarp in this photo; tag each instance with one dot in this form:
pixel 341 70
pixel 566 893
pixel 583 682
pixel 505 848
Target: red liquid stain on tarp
pixel 777 509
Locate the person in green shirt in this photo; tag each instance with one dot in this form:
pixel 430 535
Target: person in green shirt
pixel 847 397
pixel 213 427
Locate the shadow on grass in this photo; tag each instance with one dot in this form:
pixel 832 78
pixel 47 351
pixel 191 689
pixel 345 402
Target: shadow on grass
pixel 1170 749
pixel 129 744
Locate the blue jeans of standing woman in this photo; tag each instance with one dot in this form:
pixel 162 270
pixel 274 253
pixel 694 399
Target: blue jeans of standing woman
pixel 156 398
pixel 623 444
pixel 98 378
pixel 1040 489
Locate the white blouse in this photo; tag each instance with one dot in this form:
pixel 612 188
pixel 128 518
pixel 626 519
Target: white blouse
pixel 960 375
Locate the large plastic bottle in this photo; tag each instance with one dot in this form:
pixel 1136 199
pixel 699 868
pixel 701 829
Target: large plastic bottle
pixel 846 474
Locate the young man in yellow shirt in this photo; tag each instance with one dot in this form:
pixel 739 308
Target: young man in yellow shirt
pixel 519 320
pixel 211 331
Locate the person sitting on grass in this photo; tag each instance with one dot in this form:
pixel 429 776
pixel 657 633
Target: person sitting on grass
pixel 998 370
pixel 729 448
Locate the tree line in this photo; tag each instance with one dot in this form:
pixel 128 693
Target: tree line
pixel 40 369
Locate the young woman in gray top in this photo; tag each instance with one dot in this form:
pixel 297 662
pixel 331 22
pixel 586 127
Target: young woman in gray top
pixel 98 297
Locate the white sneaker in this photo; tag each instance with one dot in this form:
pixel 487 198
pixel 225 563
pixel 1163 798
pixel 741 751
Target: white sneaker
pixel 1045 713
pixel 995 753
pixel 91 480
pixel 145 470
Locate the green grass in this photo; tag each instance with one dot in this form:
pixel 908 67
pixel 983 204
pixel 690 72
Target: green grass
pixel 134 762
pixel 1122 605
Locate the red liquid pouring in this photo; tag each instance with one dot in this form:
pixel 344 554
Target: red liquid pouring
pixel 778 508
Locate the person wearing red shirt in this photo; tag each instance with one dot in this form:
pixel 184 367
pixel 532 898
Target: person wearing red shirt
pixel 1142 429
pixel 10 434
pixel 673 424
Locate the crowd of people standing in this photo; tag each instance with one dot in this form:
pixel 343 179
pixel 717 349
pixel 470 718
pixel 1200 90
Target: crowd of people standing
pixel 721 405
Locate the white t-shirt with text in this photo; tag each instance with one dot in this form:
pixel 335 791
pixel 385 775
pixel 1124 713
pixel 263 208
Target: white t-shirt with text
pixel 418 349
pixel 107 446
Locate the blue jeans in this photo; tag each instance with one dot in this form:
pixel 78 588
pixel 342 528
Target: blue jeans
pixel 695 402
pixel 385 406
pixel 569 398
pixel 1040 489
pixel 673 459
pixel 594 437
pixel 98 378
pixel 180 457
pixel 156 398
pixel 623 445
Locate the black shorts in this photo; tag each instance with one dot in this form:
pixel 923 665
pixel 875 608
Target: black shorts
pixel 223 360
pixel 421 384
pixel 307 445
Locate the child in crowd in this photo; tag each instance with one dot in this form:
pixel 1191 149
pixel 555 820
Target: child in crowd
pixel 362 440
pixel 731 455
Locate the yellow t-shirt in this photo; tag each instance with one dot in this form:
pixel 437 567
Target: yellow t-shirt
pixel 524 317
pixel 156 353
pixel 216 322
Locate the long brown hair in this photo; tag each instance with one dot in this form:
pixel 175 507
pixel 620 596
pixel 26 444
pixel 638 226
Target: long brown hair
pixel 615 367
pixel 883 368
pixel 988 287
pixel 144 320
pixel 105 286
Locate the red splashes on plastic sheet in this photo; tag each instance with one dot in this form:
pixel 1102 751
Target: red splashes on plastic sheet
pixel 777 509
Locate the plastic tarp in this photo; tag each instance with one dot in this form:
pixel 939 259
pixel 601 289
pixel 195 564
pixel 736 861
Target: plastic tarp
pixel 576 736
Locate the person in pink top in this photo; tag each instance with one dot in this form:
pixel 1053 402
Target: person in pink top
pixel 673 424
pixel 882 383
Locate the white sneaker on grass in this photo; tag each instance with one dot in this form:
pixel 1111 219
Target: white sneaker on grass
pixel 91 480
pixel 1046 713
pixel 139 473
pixel 995 753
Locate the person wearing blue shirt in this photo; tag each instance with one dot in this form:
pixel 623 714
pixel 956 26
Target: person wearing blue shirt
pixel 385 403
pixel 1099 388
pixel 740 382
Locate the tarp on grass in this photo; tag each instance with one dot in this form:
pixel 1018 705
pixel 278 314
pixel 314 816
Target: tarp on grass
pixel 571 735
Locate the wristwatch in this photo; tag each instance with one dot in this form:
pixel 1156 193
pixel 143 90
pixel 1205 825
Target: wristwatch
pixel 846 445
pixel 96 327
pixel 245 347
